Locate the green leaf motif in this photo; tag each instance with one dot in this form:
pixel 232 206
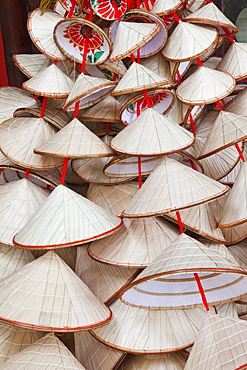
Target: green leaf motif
pixel 98 55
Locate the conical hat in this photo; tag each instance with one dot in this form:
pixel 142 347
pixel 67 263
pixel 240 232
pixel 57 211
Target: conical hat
pixel 130 37
pixel 31 64
pixel 227 130
pixel 170 187
pixel 105 281
pixel 19 136
pixel 12 98
pixel 200 219
pixel 88 90
pixel 47 352
pixel 137 244
pixel 50 82
pixel 105 111
pixel 238 104
pixel 151 134
pixel 75 140
pixel 14 339
pixel 189 41
pixel 56 117
pixel 234 61
pixel 138 78
pixel 238 252
pixel 68 255
pixel 19 201
pixel 169 280
pixel 95 355
pixel 116 67
pixel 70 37
pixel 159 65
pixel 142 331
pixel 205 86
pixel 112 198
pixel 176 361
pixel 47 295
pixel 163 8
pixel 49 228
pixel 211 14
pixel 235 209
pixel 227 309
pixel 221 343
pixel 40 27
pixel 13 259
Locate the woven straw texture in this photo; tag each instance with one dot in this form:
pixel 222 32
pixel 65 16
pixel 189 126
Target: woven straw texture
pixel 163 8
pixel 238 104
pixel 105 111
pixel 19 201
pixel 51 82
pixel 234 61
pixel 40 28
pixel 12 98
pixel 115 67
pixel 88 90
pixel 31 64
pixel 13 259
pixel 171 361
pixel 112 198
pixel 189 41
pixel 169 281
pixel 205 86
pixel 138 78
pixel 75 140
pixel 227 309
pixel 50 296
pixel 19 136
pixel 105 281
pixel 137 244
pixel 95 355
pixel 160 66
pixel 130 37
pixel 172 186
pixel 152 134
pixel 48 353
pixel 221 344
pixel 235 209
pixel 210 14
pixel 155 331
pixel 66 219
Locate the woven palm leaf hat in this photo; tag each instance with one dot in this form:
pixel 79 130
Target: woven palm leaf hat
pixel 159 65
pixel 94 354
pixel 221 342
pixel 48 351
pixel 70 5
pixel 163 8
pixel 13 259
pixel 148 337
pixel 113 70
pixel 238 104
pixel 170 281
pixel 238 252
pixel 70 307
pixel 31 64
pixel 107 110
pixel 175 360
pixel 109 10
pixel 233 61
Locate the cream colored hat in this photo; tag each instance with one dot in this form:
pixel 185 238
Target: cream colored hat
pixel 234 61
pixel 13 259
pixel 31 64
pixel 106 110
pixel 47 295
pixel 237 104
pixel 163 8
pixel 66 219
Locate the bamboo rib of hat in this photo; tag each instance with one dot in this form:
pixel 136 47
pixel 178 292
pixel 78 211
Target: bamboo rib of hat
pixel 152 134
pixel 94 354
pixel 205 86
pixel 148 331
pixel 130 37
pixel 14 339
pixel 169 280
pixel 112 198
pixel 138 78
pixel 19 136
pixel 211 14
pixel 13 259
pixel 200 219
pixel 235 210
pixel 164 8
pixel 115 67
pixel 105 281
pixel 137 244
pixel 234 61
pixel 40 28
pixel 51 82
pixel 172 186
pixel 227 130
pixel 221 343
pixel 66 219
pixel 189 41
pixel 19 201
pixel 48 352
pixel 175 361
pixel 106 110
pixel 12 98
pixel 74 140
pixel 31 64
pixel 88 90
pixel 238 104
pixel 47 295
